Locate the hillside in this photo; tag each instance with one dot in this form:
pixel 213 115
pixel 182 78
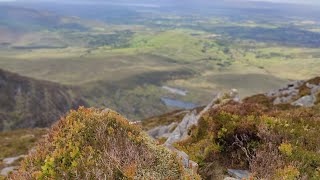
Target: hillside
pixel 273 135
pixel 25 102
pixel 256 137
pixel 122 60
pixel 101 144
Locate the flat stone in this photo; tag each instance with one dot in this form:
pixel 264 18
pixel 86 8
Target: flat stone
pixel 305 101
pixel 229 178
pixel 239 174
pixel 10 160
pixel 282 100
pixel 7 170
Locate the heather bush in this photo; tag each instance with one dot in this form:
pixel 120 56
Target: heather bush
pixel 95 144
pixel 271 143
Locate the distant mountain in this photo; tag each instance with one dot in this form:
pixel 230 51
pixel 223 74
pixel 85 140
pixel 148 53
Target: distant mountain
pixel 28 103
pixel 27 19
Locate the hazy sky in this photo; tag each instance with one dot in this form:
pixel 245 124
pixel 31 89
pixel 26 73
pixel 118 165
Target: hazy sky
pixel 292 1
pixel 274 1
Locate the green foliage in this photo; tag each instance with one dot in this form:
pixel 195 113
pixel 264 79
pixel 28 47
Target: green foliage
pixel 285 148
pixel 288 173
pixel 252 136
pixel 95 144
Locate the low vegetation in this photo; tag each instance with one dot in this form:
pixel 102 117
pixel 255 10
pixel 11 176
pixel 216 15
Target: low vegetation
pixel 95 144
pixel 17 143
pixel 273 143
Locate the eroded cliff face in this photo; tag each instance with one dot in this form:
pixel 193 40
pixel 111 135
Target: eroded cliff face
pixel 29 103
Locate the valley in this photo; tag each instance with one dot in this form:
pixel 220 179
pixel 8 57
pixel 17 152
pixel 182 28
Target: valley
pixel 161 89
pixel 123 65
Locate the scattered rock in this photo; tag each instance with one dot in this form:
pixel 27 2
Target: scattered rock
pixel 239 174
pixel 235 95
pixel 292 89
pixel 229 178
pixel 282 100
pixel 7 170
pixel 289 93
pixel 11 160
pixel 313 88
pixel 306 101
pixel 162 131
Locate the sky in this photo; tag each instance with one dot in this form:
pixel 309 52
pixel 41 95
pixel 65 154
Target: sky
pixel 274 1
pixel 292 1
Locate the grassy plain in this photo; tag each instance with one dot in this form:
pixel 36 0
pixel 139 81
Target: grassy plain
pixel 126 65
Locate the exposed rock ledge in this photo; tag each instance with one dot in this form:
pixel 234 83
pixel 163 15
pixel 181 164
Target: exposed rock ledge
pixel 190 119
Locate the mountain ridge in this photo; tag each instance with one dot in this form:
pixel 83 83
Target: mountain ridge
pixel 27 103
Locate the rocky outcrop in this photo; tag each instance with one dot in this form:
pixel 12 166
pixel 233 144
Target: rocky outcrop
pixel 189 120
pixel 306 101
pixel 192 118
pixel 286 94
pixel 162 131
pixel 181 130
pixel 297 93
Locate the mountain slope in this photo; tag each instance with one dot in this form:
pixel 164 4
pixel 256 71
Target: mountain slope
pixel 25 102
pixel 25 19
pixel 274 135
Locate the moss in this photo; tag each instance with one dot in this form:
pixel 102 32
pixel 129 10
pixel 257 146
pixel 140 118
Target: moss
pixel 98 144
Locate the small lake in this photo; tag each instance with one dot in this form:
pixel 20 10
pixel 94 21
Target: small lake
pixel 177 103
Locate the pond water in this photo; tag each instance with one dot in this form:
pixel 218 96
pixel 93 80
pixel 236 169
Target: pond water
pixel 177 103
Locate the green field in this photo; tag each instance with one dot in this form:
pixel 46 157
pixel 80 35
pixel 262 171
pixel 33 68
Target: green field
pixel 123 66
